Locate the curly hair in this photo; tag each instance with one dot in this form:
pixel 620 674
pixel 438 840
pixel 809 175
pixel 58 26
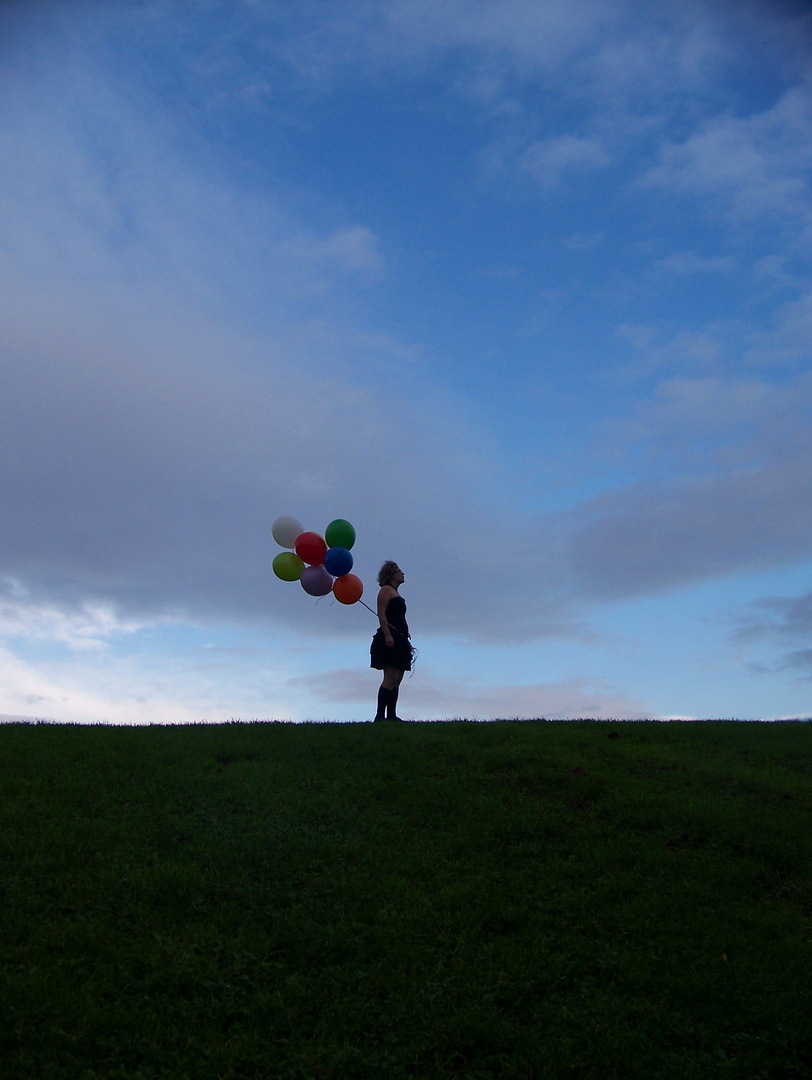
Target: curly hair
pixel 386 571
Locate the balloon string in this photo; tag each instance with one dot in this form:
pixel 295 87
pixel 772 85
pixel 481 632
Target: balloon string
pixel 375 613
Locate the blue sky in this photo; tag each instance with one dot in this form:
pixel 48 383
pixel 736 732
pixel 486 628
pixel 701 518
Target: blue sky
pixel 523 290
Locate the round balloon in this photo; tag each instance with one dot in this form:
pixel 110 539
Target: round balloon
pixel 311 548
pixel 338 561
pixel 288 566
pixel 316 581
pixel 285 530
pixel 348 589
pixel 340 533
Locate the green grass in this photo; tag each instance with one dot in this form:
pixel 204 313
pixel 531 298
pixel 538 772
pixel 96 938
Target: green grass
pixel 511 900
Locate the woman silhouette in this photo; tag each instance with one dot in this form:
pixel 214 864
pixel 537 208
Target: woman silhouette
pixel 391 650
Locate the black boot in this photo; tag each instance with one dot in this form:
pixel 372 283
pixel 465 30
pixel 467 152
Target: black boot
pixel 383 702
pixel 391 709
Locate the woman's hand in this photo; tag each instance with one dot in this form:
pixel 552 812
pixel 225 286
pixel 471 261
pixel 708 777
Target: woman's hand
pixel 390 641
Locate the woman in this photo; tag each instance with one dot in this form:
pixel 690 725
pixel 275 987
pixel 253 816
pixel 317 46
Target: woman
pixel 391 650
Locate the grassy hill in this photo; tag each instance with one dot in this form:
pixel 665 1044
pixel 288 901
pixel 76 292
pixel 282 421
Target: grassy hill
pixel 510 899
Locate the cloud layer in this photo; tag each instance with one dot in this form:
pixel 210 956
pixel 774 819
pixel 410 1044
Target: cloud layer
pixel 521 290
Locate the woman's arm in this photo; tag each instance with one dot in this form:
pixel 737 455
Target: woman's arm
pixel 384 596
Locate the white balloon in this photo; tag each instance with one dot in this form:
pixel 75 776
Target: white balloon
pixel 285 530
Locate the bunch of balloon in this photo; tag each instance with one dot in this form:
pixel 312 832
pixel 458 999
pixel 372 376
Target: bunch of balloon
pixel 321 564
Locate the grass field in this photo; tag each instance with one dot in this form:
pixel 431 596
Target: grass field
pixel 517 900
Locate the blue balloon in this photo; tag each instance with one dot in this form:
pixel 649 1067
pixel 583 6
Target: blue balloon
pixel 338 561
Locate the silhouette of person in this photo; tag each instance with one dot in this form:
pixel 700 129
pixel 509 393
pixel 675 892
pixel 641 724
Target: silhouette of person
pixel 391 649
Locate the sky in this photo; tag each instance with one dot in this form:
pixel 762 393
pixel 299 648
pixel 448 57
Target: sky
pixel 520 288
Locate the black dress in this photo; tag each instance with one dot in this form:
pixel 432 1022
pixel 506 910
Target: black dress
pixel 400 655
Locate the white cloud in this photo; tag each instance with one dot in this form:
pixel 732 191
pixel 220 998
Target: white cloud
pixel 584 241
pixel 531 34
pixel 653 349
pixel 728 487
pixel 758 166
pixel 349 249
pixel 789 342
pixel 651 538
pixel 686 263
pixel 190 351
pixel 712 410
pixel 550 160
pixel 148 441
pixel 430 697
pixel 82 695
pixel 87 626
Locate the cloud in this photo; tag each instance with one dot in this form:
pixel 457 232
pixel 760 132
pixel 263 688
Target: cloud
pixel 148 440
pixel 798 660
pixel 755 166
pixel 784 617
pixel 713 422
pixel 79 694
pixel 787 343
pixel 654 349
pixel 550 160
pixel 149 476
pixel 730 488
pixel 617 75
pixel 349 249
pixel 548 163
pixel 687 263
pixel 531 35
pixel 777 622
pixel 723 480
pixel 651 538
pixel 435 698
pixel 584 241
pixel 620 78
pixel 186 378
pixel 181 387
pixel 85 626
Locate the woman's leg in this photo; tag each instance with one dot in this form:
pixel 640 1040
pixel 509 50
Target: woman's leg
pixel 383 701
pixel 397 678
pixel 388 687
pixel 391 678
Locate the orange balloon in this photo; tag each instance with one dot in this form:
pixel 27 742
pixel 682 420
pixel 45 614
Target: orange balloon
pixel 348 589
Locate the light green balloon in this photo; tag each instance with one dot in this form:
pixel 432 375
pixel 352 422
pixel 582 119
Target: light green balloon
pixel 288 566
pixel 340 533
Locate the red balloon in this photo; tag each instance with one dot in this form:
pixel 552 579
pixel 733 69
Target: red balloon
pixel 348 589
pixel 311 548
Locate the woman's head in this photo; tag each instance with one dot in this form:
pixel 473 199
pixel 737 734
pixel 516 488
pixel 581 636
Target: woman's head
pixel 388 571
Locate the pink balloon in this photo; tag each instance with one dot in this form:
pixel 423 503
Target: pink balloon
pixel 316 581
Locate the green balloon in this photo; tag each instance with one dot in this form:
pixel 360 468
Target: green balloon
pixel 288 566
pixel 340 533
